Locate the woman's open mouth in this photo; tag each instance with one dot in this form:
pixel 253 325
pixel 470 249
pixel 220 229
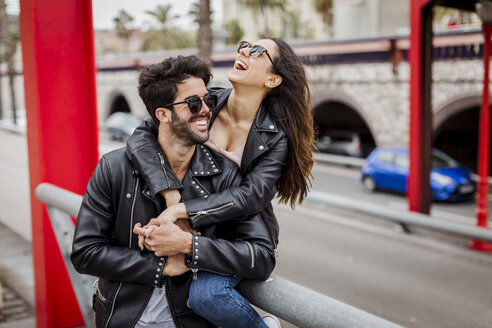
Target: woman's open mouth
pixel 240 65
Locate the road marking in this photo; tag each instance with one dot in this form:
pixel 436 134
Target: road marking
pixel 436 213
pixel 336 171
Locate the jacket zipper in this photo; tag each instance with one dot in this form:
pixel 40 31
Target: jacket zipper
pixel 131 213
pixel 102 298
pixel 129 245
pixel 163 167
pixel 98 290
pixel 171 308
pixel 194 271
pixel 252 254
pixel 112 305
pixel 197 214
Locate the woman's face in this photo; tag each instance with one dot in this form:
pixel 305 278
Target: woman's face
pixel 254 71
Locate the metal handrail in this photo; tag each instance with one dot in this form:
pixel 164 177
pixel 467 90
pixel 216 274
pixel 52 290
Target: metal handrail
pixel 289 301
pixel 410 218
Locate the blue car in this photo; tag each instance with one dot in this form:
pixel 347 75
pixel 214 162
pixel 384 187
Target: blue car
pixel 387 169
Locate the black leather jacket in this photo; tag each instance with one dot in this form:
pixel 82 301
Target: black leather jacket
pixel 117 198
pixel 264 157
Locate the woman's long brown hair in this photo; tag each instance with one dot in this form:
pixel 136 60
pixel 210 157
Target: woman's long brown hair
pixel 289 105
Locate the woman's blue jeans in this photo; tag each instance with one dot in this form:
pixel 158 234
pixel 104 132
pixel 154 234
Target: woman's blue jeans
pixel 213 297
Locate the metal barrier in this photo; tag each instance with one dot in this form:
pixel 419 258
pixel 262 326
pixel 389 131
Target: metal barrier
pixel 289 301
pixel 410 218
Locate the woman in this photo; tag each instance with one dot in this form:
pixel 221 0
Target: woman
pixel 265 125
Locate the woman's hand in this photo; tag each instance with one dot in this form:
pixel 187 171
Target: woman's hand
pixel 175 266
pixel 171 214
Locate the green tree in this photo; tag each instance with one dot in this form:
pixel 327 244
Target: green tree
pixel 325 9
pixel 234 30
pixel 162 13
pixel 291 25
pixel 123 22
pixel 165 36
pixel 260 7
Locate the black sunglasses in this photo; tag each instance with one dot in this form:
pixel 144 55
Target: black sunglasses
pixel 195 103
pixel 255 50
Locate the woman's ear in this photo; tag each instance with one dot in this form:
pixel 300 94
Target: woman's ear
pixel 273 81
pixel 163 115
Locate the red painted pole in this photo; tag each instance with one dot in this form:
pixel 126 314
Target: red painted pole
pixel 59 83
pixel 419 192
pixel 482 211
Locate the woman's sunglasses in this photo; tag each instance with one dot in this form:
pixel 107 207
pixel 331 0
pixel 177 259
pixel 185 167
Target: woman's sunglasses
pixel 195 103
pixel 254 50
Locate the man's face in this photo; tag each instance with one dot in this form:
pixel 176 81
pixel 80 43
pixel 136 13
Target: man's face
pixel 188 127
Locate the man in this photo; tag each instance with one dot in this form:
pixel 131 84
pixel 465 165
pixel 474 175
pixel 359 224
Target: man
pixel 137 288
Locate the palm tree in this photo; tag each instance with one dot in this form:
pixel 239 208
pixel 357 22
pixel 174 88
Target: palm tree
pixel 205 36
pixel 260 7
pixel 122 24
pixel 234 30
pixel 162 13
pixel 325 8
pixel 165 36
pixel 291 24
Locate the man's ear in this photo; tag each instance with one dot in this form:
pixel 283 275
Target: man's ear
pixel 273 81
pixel 163 115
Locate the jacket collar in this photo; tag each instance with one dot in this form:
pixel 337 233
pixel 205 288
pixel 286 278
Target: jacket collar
pixel 203 163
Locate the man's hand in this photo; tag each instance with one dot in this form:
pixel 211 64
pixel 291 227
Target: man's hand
pixel 166 239
pixel 171 196
pixel 174 266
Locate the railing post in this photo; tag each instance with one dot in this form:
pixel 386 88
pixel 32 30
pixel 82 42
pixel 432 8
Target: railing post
pixel 60 91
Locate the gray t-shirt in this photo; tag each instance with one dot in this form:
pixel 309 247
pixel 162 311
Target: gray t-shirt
pixel 157 313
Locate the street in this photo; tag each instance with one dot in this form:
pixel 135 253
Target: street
pixel 409 280
pixel 346 182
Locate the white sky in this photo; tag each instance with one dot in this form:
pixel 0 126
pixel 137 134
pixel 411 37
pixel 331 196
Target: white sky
pixel 104 11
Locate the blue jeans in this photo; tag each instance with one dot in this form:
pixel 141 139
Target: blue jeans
pixel 213 297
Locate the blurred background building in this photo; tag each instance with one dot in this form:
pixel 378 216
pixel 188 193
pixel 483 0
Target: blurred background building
pixel 355 51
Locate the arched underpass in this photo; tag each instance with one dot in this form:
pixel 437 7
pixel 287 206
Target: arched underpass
pixel 457 136
pixel 338 123
pixel 119 104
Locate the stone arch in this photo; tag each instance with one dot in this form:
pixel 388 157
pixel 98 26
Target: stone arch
pixel 116 101
pixel 345 114
pixel 119 104
pixel 453 106
pixel 455 128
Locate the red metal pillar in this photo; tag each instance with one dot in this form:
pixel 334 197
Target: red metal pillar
pixel 59 83
pixel 419 191
pixel 484 147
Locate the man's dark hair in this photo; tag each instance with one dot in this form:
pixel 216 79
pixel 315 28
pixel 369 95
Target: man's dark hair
pixel 158 83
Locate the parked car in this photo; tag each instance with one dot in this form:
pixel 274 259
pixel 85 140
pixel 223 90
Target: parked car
pixel 344 142
pixel 121 125
pixel 387 169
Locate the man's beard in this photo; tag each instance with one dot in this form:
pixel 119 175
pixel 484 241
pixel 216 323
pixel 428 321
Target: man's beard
pixel 182 131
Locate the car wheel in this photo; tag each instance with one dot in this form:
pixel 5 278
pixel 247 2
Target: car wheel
pixel 368 184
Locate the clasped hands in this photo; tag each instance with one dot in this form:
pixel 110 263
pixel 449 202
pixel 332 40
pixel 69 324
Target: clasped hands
pixel 168 236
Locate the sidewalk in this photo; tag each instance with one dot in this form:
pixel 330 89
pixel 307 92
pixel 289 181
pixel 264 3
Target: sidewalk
pixel 16 276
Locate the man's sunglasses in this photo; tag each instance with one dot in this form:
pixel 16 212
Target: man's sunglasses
pixel 254 50
pixel 195 103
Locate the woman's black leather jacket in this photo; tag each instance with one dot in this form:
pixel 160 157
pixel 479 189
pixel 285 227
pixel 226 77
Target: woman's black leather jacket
pixel 264 157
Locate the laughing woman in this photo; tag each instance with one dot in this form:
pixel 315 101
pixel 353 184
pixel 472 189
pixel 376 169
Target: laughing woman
pixel 265 125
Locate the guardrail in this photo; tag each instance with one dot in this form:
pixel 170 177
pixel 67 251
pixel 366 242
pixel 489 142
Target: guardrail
pixel 406 217
pixel 289 301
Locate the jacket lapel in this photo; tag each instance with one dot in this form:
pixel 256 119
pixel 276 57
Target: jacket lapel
pixel 257 144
